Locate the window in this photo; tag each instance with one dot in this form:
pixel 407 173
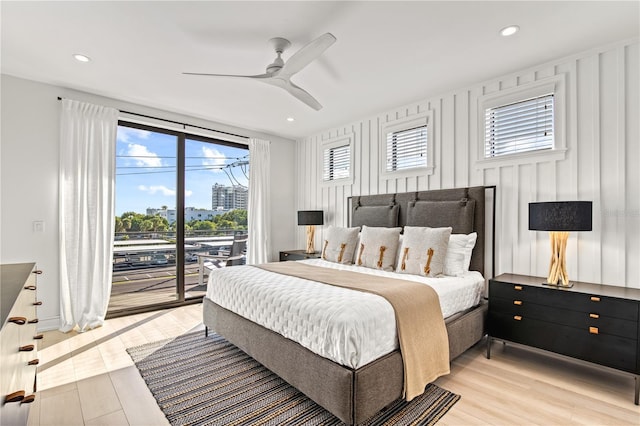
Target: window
pixel 336 163
pixel 519 127
pixel 523 124
pixel 406 146
pixel 407 149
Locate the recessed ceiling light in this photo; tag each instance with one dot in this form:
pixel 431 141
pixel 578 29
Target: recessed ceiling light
pixel 81 58
pixel 291 119
pixel 510 30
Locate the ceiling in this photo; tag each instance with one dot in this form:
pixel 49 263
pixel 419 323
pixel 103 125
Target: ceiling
pixel 387 54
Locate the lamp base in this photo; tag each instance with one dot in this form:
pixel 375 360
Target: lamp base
pixel 560 285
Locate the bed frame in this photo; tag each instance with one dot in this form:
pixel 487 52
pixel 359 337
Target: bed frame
pixel 354 395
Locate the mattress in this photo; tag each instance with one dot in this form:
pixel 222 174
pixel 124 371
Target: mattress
pixel 349 327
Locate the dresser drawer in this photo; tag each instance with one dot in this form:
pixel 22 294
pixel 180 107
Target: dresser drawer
pixel 563 299
pixel 611 351
pixel 581 320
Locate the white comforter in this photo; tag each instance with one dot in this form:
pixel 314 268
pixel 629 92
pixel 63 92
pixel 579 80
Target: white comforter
pixel 349 327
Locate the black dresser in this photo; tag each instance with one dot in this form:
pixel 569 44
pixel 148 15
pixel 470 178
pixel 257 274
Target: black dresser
pixel 591 322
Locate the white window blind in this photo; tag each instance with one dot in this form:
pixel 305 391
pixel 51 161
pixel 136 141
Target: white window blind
pixel 519 127
pixel 336 163
pixel 407 149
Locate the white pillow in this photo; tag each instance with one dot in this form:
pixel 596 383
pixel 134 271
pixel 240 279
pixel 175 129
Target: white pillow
pixel 459 253
pixel 339 244
pixel 378 247
pixel 423 251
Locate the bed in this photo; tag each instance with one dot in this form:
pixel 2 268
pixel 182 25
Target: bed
pixel 354 390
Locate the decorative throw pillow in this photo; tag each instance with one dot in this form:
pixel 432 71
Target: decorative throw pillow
pixel 459 253
pixel 378 247
pixel 423 251
pixel 339 244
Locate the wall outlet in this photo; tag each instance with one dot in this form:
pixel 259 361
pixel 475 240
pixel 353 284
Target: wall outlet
pixel 38 226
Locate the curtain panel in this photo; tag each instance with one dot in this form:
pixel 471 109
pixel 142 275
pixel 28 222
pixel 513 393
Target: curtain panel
pixel 86 195
pixel 259 244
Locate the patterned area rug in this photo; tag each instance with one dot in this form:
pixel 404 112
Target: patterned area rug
pixel 208 381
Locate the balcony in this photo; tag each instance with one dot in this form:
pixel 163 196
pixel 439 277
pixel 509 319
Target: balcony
pixel 144 266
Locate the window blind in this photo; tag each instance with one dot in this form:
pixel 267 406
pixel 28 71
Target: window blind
pixel 407 149
pixel 519 127
pixel 337 162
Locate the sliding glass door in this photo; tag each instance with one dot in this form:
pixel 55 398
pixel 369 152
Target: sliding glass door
pixel 180 203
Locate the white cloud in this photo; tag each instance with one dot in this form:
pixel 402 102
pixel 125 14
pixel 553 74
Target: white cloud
pixel 213 157
pixel 142 156
pixel 127 134
pixel 167 192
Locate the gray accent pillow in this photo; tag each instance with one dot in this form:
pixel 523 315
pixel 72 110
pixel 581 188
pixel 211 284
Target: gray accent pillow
pixel 423 251
pixel 378 247
pixel 379 216
pixel 339 244
pixel 459 215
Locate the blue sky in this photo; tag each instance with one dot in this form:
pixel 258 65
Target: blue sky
pixel 146 170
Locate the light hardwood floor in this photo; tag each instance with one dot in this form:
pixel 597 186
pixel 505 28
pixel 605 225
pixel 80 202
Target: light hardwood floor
pixel 90 379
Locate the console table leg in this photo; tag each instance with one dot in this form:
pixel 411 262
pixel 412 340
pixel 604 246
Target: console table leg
pixel 489 352
pixel 637 379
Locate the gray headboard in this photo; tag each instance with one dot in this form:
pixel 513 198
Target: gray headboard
pixel 461 208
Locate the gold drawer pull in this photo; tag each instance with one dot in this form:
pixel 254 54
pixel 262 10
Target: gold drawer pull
pixel 517 287
pixel 595 299
pixel 26 348
pixel 593 330
pixel 38 303
pixel 30 287
pixel 517 302
pixel 34 362
pixel 18 320
pixel 28 399
pixel 517 318
pixel 15 396
pixel 37 272
pixel 596 316
pixel 33 321
pixel 38 336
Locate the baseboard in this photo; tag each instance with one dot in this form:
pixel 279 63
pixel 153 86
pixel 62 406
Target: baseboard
pixel 49 324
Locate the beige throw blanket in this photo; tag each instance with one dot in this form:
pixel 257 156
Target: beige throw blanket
pixel 423 338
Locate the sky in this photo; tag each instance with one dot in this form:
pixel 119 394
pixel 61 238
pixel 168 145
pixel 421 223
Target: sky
pixel 146 170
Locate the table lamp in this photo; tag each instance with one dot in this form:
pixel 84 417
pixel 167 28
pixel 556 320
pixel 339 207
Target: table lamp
pixel 310 218
pixel 559 218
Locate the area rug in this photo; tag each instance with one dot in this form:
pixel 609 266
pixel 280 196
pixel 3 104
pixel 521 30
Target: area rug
pixel 208 381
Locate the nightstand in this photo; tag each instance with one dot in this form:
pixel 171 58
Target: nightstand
pixel 298 255
pixel 592 322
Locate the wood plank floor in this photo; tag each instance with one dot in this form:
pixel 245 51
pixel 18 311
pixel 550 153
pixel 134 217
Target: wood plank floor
pixel 89 379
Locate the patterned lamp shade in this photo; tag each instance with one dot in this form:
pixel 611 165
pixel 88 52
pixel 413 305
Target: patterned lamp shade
pixel 560 216
pixel 310 217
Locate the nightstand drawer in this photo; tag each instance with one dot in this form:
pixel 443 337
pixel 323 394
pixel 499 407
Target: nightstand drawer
pixel 297 255
pixel 565 299
pixel 580 320
pixel 611 351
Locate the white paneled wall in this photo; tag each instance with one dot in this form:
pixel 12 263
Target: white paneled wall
pixel 601 164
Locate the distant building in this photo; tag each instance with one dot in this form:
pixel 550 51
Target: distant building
pixel 190 213
pixel 229 197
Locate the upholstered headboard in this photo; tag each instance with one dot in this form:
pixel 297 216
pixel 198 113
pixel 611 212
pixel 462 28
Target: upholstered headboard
pixel 461 208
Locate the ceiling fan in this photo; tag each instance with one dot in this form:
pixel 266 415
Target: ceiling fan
pixel 279 73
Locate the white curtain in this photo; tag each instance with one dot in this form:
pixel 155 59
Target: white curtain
pixel 87 181
pixel 259 244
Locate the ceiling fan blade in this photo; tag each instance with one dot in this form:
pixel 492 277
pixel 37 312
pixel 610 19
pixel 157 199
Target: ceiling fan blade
pixel 259 76
pixel 296 91
pixel 307 54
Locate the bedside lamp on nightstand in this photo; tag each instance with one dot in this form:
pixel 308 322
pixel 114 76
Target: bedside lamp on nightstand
pixel 559 218
pixel 310 218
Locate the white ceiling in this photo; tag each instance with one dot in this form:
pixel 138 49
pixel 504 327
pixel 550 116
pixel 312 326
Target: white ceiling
pixel 388 53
